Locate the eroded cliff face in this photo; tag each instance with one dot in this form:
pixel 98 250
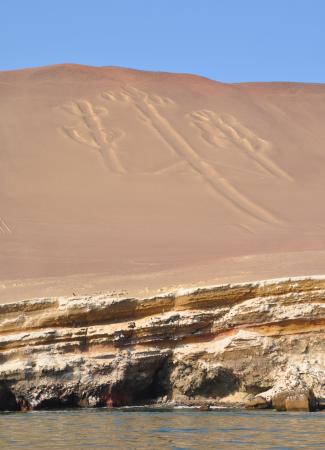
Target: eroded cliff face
pixel 224 343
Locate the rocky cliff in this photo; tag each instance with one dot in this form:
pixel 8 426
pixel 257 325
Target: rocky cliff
pixel 224 343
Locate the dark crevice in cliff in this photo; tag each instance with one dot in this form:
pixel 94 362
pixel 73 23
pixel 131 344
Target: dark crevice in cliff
pixel 70 401
pixel 8 400
pixel 159 387
pixel 142 383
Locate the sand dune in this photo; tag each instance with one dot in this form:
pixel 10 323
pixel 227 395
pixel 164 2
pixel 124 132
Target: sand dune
pixel 120 179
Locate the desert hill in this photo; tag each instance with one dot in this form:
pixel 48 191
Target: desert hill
pixel 120 179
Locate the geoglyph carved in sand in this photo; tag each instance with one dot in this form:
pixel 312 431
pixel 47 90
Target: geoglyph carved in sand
pixel 148 108
pixel 213 128
pixel 4 227
pixel 91 131
pixel 223 129
pixel 145 106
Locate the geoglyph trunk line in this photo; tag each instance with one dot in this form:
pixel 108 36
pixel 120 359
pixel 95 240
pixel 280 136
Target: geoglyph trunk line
pixel 209 174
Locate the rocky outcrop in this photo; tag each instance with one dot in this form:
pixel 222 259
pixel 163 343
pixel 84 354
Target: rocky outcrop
pixel 297 400
pixel 221 344
pixel 258 402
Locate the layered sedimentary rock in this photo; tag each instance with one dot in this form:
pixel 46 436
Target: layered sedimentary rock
pixel 224 343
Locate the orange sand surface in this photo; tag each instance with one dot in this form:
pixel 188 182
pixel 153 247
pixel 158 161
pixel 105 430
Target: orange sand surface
pixel 121 180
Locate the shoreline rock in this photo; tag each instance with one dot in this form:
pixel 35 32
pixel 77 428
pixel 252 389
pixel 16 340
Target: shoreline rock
pixel 219 345
pixel 258 403
pixel 298 400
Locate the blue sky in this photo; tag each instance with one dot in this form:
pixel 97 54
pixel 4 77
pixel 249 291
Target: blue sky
pixel 227 40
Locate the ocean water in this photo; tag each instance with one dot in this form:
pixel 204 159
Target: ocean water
pixel 158 429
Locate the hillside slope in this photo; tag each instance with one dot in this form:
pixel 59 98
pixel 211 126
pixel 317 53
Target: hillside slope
pixel 120 179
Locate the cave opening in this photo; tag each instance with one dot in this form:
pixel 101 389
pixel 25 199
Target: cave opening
pixel 70 401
